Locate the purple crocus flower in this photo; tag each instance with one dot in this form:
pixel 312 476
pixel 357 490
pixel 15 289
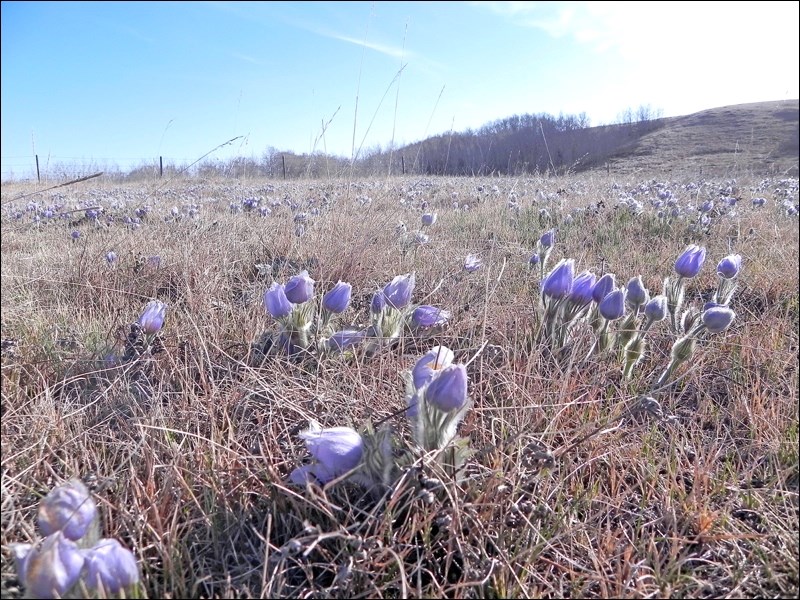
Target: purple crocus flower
pixel 729 267
pixel 276 302
pixel 431 363
pixel 429 219
pixel 111 257
pixel 429 316
pixel 604 286
pixel 152 318
pixel 68 508
pixel 378 303
pixel 558 282
pixel 534 260
pixel 344 339
pixel 582 287
pixel 398 292
pixel 656 309
pixel 637 294
pixel 447 391
pixel 338 298
pixel 612 307
pixel 548 238
pixel 76 235
pixel 336 451
pixel 110 566
pixel 299 288
pixel 717 318
pixel 472 263
pixel 50 570
pixel 691 261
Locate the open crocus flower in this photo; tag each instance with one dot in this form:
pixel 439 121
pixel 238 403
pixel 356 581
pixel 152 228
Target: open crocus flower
pixel 152 319
pixel 432 362
pixel 690 261
pixel 299 288
pixel 429 219
pixel 336 451
pixel 68 508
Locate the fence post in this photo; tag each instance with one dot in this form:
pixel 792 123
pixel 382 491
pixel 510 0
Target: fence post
pixel 160 166
pixel 283 158
pixel 403 163
pixel 38 178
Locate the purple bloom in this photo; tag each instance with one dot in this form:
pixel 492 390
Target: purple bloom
pixel 152 319
pixel 582 287
pixel 534 260
pixel 338 298
pixel 472 263
pixel 276 302
pixel 68 508
pixel 111 257
pixel 691 261
pixel 447 391
pixel 111 566
pixel 759 201
pixel 432 362
pixel 336 450
pixel 637 294
pixel 729 267
pixel 548 238
pixel 398 292
pixel 299 288
pixel 612 307
pixel 378 303
pixel 76 235
pixel 558 282
pixel 604 286
pixel 52 569
pixel 341 340
pixel 429 316
pixel 717 318
pixel 429 219
pixel 656 309
pixel 706 206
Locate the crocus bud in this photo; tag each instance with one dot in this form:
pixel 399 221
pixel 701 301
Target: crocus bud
pixel 398 292
pixel 717 318
pixel 582 287
pixel 152 319
pixel 429 316
pixel 429 219
pixel 612 307
pixel 276 302
pixel 336 450
pixel 68 508
pixel 110 566
pixel 691 261
pixel 431 363
pixel 299 288
pixel 378 303
pixel 338 298
pixel 548 238
pixel 656 309
pixel 683 348
pixel 52 569
pixel 604 286
pixel 729 267
pixel 534 260
pixel 448 390
pixel 637 295
pixel 558 282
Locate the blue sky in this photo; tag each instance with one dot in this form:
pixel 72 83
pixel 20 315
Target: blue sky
pixel 121 83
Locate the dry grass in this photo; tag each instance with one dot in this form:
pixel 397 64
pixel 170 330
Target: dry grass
pixel 188 458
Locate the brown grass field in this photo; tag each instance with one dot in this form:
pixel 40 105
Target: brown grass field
pixel 571 491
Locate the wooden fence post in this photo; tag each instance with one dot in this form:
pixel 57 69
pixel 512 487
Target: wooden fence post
pixel 38 178
pixel 160 166
pixel 283 159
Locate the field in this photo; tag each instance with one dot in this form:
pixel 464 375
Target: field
pixel 581 481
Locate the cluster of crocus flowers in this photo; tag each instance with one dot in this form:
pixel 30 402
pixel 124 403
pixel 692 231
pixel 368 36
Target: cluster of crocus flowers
pixel 437 399
pixel 293 307
pixel 72 560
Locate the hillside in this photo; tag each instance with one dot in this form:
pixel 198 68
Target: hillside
pixel 760 138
